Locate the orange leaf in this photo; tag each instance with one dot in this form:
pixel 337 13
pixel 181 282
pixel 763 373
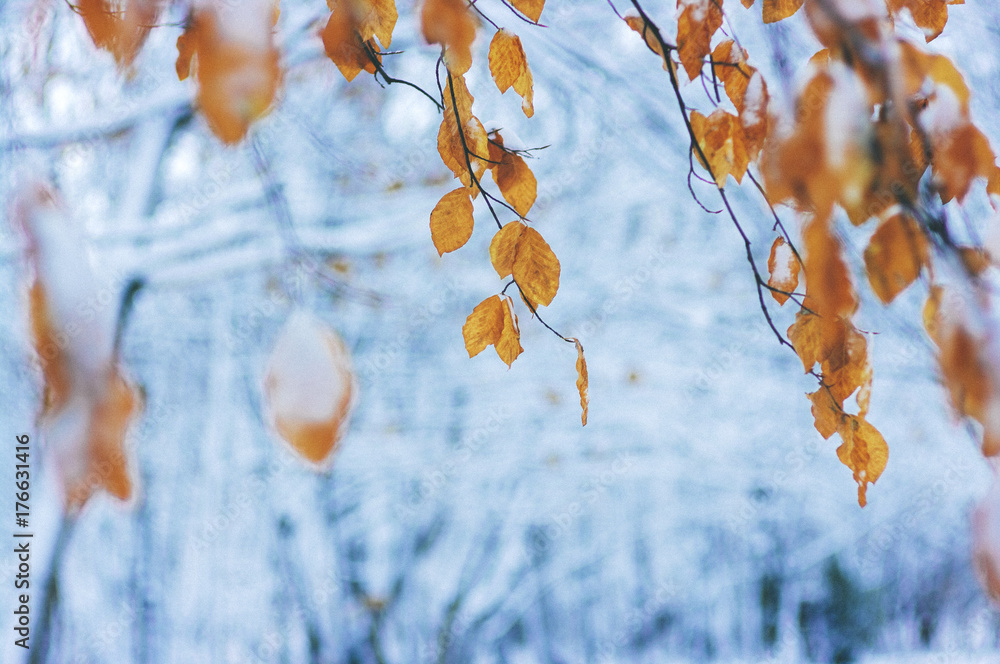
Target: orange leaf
pixel 238 71
pixel 846 366
pixel 451 144
pixel 530 8
pixel 509 67
pixel 310 387
pixel 582 381
pixel 507 59
pixel 87 403
pixel 503 248
pixel 895 255
pixel 122 33
pixel 729 62
pixel 344 46
pixel 484 326
pixel 815 338
pixel 929 15
pixel 516 182
pixel 720 137
pixel 453 150
pixel 645 30
pixel 449 23
pixel 864 451
pixel 508 345
pixel 777 10
pixel 696 25
pixel 826 412
pixel 536 268
pixel 783 268
pixel 828 285
pixel 452 221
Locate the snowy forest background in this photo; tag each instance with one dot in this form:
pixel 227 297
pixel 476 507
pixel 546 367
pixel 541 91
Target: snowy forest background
pixel 467 516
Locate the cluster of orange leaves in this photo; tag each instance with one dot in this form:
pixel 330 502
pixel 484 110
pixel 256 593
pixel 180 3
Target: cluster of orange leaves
pixel 860 141
pixel 469 151
pixel 230 52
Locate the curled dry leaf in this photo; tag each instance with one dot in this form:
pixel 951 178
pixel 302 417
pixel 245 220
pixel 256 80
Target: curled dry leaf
pixel 783 269
pixel 864 451
pixel 237 64
pixel 508 346
pixel 452 221
pixel 451 24
pixel 309 387
pixel 582 380
pixel 88 402
pixel 895 255
pixel 698 21
pixel 121 32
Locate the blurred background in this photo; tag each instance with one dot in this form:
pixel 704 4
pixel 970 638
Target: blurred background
pixel 467 517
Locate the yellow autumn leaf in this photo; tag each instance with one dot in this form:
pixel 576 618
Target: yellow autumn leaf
pixel 696 25
pixel 451 24
pixel 530 8
pixel 720 137
pixel 536 268
pixel 508 345
pixel 846 366
pixel 503 248
pixel 777 10
pixel 826 413
pixel 516 182
pixel 864 451
pixel 343 45
pixel 452 221
pixel 507 59
pixel 484 325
